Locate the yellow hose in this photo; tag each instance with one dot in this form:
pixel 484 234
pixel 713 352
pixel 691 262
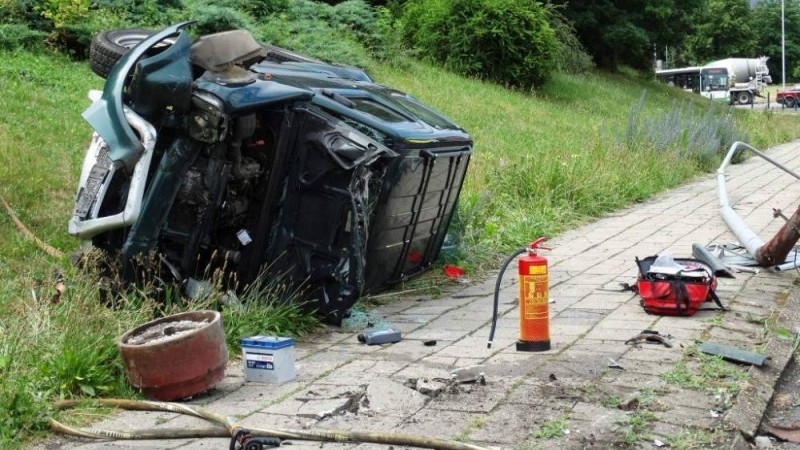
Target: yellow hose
pixel 226 427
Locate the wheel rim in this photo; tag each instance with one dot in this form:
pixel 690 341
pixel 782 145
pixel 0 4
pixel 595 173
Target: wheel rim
pixel 129 40
pixel 744 97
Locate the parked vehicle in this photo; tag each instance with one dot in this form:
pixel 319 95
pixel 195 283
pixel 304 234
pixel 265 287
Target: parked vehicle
pixel 746 79
pixel 790 97
pixel 226 154
pixel 734 80
pixel 685 78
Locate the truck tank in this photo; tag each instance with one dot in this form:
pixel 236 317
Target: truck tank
pixel 744 70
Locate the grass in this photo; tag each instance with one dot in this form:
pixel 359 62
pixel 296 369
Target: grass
pixel 694 439
pixel 547 161
pixel 475 424
pixel 708 373
pixel 544 162
pixel 552 428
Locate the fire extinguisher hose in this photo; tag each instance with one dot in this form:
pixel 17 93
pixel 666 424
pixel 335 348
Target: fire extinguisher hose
pixel 497 292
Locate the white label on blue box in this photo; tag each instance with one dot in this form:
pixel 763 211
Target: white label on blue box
pixel 260 361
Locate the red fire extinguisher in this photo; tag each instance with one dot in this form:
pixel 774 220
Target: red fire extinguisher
pixel 534 314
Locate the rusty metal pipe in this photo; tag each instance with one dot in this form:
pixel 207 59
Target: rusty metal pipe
pixel 777 249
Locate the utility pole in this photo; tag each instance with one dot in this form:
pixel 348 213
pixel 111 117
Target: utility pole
pixel 783 48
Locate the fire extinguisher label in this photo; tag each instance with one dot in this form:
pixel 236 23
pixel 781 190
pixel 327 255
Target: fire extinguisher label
pixel 534 291
pixel 536 270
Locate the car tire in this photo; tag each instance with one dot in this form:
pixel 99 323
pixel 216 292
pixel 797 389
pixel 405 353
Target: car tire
pixel 789 102
pixel 108 47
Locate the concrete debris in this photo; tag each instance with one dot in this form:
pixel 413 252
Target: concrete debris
pixel 389 397
pixel 431 388
pixel 470 374
pixel 763 442
pixel 322 408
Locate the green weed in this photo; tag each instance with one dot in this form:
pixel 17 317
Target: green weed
pixel 711 374
pixel 694 439
pixel 475 424
pixel 551 428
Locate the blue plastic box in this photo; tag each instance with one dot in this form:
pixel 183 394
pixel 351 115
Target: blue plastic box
pixel 268 359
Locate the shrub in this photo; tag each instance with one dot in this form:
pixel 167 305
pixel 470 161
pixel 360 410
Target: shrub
pixel 570 56
pixel 211 18
pixel 356 17
pixel 507 41
pixel 18 35
pixel 313 38
pixel 310 28
pixel 699 136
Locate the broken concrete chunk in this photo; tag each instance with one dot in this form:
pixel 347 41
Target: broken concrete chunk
pixel 431 388
pixel 763 442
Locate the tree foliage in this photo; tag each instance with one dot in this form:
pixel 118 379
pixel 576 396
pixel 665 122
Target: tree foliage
pixel 625 32
pixel 507 41
pixel 722 29
pixel 767 30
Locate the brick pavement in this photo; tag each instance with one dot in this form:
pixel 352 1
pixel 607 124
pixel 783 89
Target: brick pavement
pixel 570 388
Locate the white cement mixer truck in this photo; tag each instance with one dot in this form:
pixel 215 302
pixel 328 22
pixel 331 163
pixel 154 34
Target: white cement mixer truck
pixel 736 80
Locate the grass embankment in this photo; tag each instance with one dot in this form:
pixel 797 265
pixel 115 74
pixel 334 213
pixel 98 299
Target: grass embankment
pixel 543 163
pixel 547 161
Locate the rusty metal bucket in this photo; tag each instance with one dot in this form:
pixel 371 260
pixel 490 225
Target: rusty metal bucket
pixel 176 356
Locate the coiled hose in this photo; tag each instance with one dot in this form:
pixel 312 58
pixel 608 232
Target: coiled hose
pixel 226 427
pixel 497 292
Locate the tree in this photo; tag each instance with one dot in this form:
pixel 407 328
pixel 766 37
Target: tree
pixel 722 29
pixel 767 28
pixel 625 31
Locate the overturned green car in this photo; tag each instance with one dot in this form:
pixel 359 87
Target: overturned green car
pixel 226 154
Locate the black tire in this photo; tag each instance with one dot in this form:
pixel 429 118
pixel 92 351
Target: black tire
pixel 744 98
pixel 789 102
pixel 109 46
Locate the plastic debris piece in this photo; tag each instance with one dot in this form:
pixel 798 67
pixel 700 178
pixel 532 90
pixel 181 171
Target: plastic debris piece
pixel 658 443
pixel 453 272
pixel 469 374
pixel 733 354
pixel 614 365
pixel 429 343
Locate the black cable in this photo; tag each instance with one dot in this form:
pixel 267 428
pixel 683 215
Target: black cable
pixel 497 292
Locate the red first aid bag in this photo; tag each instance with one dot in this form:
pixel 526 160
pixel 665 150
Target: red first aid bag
pixel 675 290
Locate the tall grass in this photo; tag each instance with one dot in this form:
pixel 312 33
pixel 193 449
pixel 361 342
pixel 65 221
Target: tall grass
pixel 583 146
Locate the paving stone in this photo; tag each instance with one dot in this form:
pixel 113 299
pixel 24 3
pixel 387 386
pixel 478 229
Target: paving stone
pixel 473 397
pixel 422 369
pixel 689 417
pixel 437 423
pixel 648 352
pixel 390 398
pixel 436 334
pixel 209 443
pixel 509 424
